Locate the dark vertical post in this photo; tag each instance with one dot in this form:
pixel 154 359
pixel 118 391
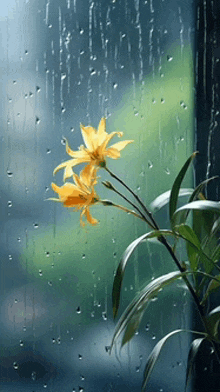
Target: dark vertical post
pixel 207 112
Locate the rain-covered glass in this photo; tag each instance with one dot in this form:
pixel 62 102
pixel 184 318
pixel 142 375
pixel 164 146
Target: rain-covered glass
pixel 66 63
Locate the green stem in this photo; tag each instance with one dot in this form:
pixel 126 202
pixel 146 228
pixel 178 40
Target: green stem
pixel 112 188
pixel 163 240
pixel 135 196
pixel 109 203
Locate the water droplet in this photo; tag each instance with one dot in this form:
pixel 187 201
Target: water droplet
pixel 14 81
pixel 115 85
pixel 24 328
pixel 30 94
pixel 21 343
pixel 78 310
pixel 137 369
pixel 81 31
pixel 9 173
pixel 136 333
pixel 83 256
pixel 104 316
pixel 153 337
pixel 16 301
pixel 26 52
pixel 18 239
pixel 81 389
pixel 53 340
pixel 33 375
pixel 37 89
pixel 131 287
pixel 162 100
pixel 63 141
pixel 45 385
pixel 40 272
pixel 47 254
pixel 150 165
pixel 169 58
pixel 107 348
pixel 52 265
pixel 162 75
pixel 92 71
pixel 63 76
pixel 49 283
pixel 59 340
pixel 37 120
pixel 15 365
pixel 72 129
pixel 48 151
pixel 82 378
pixel 147 327
pixel 10 100
pixel 114 254
pixel 9 203
pixel 35 225
pixel 167 171
pixel 9 257
pixel 93 314
pixel 79 356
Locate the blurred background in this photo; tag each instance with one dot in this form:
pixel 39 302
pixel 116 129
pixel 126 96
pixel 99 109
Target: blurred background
pixel 64 63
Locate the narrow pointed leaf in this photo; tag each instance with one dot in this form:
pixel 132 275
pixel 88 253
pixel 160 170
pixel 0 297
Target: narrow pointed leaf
pixel 154 355
pixel 206 205
pixel 140 303
pixel 213 320
pixel 192 356
pixel 164 198
pixel 213 286
pixel 123 262
pixel 177 184
pixel 199 188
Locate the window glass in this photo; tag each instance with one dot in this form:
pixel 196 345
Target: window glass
pixel 64 63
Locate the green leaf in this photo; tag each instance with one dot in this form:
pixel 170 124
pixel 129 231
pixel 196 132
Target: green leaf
pixel 153 357
pixel 176 186
pixel 212 207
pixel 116 290
pixel 199 188
pixel 213 319
pixel 191 239
pixel 164 198
pixel 214 285
pixel 139 305
pixel 192 356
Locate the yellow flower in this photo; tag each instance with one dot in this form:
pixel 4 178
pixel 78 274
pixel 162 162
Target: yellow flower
pixel 80 195
pixel 96 150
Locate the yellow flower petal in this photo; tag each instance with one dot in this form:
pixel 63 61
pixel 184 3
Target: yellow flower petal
pixel 112 153
pixel 76 154
pixel 101 133
pixel 89 218
pixel 107 140
pixel 89 135
pixel 120 145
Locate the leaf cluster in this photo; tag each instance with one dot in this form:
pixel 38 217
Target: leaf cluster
pixel 197 224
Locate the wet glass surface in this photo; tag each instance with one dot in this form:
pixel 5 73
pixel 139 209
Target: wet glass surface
pixel 66 63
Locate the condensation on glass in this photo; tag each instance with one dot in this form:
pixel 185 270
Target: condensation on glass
pixel 64 63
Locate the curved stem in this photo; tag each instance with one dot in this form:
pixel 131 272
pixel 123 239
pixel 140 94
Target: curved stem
pixel 135 196
pixel 109 203
pixel 110 186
